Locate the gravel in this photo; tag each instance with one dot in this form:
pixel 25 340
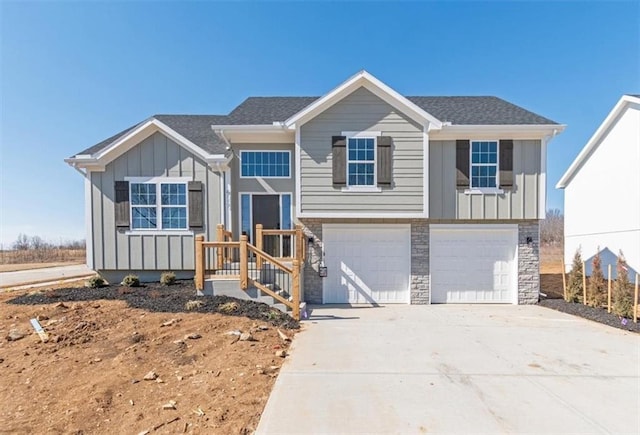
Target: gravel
pixel 599 315
pixel 158 298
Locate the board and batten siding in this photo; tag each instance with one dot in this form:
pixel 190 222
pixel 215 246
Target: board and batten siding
pixel 447 202
pixel 265 185
pixel 361 111
pixel 156 156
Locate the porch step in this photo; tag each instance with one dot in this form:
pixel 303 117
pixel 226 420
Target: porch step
pixel 231 287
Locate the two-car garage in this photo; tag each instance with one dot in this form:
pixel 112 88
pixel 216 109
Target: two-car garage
pixel 468 263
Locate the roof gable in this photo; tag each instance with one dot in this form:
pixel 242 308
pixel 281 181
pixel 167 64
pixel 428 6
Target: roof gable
pixel 372 84
pixel 623 104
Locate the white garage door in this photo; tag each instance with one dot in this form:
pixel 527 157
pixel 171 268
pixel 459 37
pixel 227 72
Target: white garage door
pixel 367 263
pixel 473 263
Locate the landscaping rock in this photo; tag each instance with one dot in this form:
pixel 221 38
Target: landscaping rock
pixel 281 353
pixel 193 336
pixel 169 405
pixel 245 336
pixel 151 376
pixel 15 335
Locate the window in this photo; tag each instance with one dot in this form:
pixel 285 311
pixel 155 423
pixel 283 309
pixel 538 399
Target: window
pixel 361 161
pixel 265 164
pixel 484 164
pixel 170 206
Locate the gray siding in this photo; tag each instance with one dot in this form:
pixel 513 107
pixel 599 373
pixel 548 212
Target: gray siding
pixel 259 184
pixel 361 111
pixel 446 202
pixel 156 156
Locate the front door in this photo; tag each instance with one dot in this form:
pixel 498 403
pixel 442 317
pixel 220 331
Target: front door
pixel 266 211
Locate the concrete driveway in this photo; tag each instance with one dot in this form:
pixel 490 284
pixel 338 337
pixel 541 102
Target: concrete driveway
pixel 456 369
pixel 24 277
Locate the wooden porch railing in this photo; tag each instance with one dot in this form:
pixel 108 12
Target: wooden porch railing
pixel 225 251
pixel 296 236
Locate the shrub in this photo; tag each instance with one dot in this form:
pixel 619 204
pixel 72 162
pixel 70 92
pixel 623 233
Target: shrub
pixel 621 294
pixel 131 281
pixel 193 305
pixel 574 286
pixel 228 307
pixel 168 278
pixel 596 287
pixel 95 282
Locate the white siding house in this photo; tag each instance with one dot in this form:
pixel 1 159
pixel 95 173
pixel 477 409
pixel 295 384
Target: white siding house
pixel 602 188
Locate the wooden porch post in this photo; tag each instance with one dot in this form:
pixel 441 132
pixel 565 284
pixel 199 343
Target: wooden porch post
pixel 199 259
pixel 244 266
pixel 219 250
pixel 299 243
pixel 296 289
pixel 259 245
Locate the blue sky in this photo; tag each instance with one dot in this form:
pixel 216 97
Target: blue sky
pixel 73 74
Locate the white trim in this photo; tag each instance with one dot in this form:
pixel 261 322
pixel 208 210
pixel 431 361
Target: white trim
pixel 228 196
pixel 298 170
pixel 478 189
pixel 153 231
pixel 145 129
pixel 366 80
pixel 253 177
pixel 482 132
pixel 383 226
pixel 542 181
pixel 362 215
pixel 361 189
pixel 222 202
pixel 425 169
pixel 484 191
pixel 363 135
pixel 88 219
pixel 620 106
pixel 158 179
pixel 258 128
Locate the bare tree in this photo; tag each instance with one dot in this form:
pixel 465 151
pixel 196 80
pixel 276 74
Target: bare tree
pixel 552 228
pixel 21 243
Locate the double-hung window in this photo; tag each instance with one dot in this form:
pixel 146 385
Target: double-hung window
pixel 158 205
pixel 361 161
pixel 484 164
pixel 266 164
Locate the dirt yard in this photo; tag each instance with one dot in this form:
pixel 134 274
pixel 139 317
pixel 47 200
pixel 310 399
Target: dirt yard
pixel 134 360
pixel 551 258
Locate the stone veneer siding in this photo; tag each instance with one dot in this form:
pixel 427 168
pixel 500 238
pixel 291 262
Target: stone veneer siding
pixel 528 257
pixel 528 262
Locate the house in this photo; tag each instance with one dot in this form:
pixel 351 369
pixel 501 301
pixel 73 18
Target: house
pixel 602 190
pixel 402 199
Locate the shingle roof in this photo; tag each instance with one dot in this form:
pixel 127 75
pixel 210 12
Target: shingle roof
pixel 267 110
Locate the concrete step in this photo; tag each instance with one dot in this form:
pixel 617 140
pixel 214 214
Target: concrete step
pixel 231 287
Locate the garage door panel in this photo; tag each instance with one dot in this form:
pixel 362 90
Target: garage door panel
pixel 367 263
pixel 473 264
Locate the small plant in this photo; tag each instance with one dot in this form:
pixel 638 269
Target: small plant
pixel 95 282
pixel 596 288
pixel 274 315
pixel 228 307
pixel 168 278
pixel 193 305
pixel 574 286
pixel 131 281
pixel 621 294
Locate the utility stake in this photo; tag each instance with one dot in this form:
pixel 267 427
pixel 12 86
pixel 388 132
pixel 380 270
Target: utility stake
pixel 584 283
pixel 43 335
pixel 609 290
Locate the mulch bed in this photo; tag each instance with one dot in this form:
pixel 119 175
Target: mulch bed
pixel 599 315
pixel 158 298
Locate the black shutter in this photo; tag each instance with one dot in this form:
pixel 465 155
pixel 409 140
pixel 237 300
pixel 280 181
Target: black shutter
pixel 196 205
pixel 385 160
pixel 462 164
pixel 121 205
pixel 506 164
pixel 339 153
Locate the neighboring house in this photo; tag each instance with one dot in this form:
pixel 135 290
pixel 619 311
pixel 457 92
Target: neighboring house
pixel 403 199
pixel 602 190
